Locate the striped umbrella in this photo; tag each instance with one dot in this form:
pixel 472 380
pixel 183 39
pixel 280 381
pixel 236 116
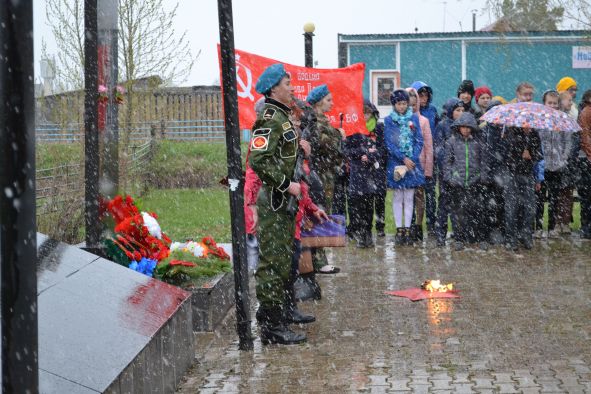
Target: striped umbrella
pixel 531 115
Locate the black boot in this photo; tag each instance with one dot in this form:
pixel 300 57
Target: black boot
pixel 292 313
pixel 369 240
pixel 361 241
pixel 306 288
pixel 399 238
pixel 274 329
pixel 407 237
pixel 417 230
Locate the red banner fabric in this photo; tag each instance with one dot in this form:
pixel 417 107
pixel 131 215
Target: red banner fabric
pixel 345 84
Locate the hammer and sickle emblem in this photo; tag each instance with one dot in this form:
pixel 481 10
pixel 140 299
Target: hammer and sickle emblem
pixel 245 89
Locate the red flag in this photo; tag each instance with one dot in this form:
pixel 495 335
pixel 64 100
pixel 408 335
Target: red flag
pixel 345 84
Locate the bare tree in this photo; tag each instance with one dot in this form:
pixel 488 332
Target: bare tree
pixel 148 42
pixel 66 20
pixel 578 11
pixel 149 46
pixel 526 15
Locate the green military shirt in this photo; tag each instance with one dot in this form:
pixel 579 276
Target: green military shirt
pixel 329 151
pixel 274 146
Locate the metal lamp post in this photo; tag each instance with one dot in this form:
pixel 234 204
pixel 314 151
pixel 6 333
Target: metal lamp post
pixel 308 34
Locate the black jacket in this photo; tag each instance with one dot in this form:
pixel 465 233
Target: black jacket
pixel 365 178
pixel 514 143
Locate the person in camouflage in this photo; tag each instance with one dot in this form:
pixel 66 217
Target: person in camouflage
pixel 273 153
pixel 326 159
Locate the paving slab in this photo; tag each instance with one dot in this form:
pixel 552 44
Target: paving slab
pixel 521 325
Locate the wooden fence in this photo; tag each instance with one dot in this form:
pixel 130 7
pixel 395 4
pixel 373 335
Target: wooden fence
pixel 178 104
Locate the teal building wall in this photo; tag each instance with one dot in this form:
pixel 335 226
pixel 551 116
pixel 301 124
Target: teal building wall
pixel 498 60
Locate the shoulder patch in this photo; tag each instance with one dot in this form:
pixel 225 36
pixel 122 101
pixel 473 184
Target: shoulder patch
pixel 290 135
pixel 286 126
pixel 259 142
pixel 261 132
pixel 269 113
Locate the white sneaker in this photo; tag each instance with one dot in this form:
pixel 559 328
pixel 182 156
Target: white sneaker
pixel 554 233
pixel 539 233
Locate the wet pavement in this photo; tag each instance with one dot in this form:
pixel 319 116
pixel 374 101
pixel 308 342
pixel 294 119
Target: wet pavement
pixel 522 325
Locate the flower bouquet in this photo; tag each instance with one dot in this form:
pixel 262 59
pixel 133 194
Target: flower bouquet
pixel 193 260
pixel 139 243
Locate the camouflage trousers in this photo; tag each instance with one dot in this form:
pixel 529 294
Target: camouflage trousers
pixel 276 231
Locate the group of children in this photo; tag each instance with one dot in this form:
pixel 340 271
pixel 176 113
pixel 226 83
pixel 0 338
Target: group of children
pixel 492 180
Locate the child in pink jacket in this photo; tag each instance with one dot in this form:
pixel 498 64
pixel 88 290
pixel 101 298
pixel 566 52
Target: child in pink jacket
pixel 426 159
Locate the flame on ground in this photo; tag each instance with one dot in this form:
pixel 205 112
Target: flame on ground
pixel 433 285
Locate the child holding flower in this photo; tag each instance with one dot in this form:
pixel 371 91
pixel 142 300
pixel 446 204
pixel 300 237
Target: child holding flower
pixel 404 142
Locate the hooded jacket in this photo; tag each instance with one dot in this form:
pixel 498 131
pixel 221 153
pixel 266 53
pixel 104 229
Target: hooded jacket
pixel 492 155
pixel 392 133
pixel 429 111
pixel 463 156
pixel 443 130
pixel 426 156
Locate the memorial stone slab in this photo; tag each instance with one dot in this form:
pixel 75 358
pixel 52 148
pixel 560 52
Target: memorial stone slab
pixel 106 328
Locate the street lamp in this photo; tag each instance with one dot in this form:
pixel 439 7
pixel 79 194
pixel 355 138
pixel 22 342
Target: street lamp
pixel 308 34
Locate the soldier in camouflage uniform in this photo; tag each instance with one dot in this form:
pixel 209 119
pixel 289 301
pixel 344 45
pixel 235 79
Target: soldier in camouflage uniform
pixel 327 159
pixel 273 153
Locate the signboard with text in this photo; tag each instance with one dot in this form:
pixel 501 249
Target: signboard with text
pixel 581 57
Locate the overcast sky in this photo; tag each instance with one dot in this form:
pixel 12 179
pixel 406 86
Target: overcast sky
pixel 274 29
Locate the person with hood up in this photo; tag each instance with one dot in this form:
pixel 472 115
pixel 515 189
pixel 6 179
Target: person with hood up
pixel 365 176
pixel 454 108
pixel 426 159
pixel 483 96
pixel 466 93
pixel 568 84
pixel 428 110
pixel 461 174
pixel 404 141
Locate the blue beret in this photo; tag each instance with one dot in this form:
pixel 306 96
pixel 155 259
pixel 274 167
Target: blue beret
pixel 399 95
pixel 270 77
pixel 317 94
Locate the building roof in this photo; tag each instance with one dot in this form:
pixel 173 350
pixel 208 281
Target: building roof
pixel 559 34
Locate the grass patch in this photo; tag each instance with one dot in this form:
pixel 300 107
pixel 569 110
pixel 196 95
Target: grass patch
pixel 391 228
pixel 195 213
pixel 190 213
pixel 178 164
pixel 53 155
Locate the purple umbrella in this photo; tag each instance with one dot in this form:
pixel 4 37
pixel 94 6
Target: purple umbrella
pixel 531 115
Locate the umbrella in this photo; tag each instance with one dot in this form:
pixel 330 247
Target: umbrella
pixel 531 115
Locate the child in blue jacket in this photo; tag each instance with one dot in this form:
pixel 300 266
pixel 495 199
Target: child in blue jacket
pixel 404 142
